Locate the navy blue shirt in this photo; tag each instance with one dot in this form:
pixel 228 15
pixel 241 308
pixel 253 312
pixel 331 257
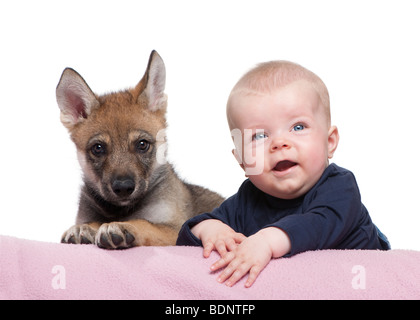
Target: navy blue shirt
pixel 330 216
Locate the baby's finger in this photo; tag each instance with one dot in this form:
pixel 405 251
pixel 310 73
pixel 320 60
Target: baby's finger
pixel 239 237
pixel 221 247
pixel 208 248
pixel 231 244
pixel 224 261
pixel 235 271
pixel 253 274
pixel 236 276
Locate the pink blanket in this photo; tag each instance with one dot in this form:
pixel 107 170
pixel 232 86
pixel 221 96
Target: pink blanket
pixel 38 270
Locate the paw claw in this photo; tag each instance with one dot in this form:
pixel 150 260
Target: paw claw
pixel 114 235
pixel 116 239
pixel 103 242
pixel 84 240
pixel 129 238
pixel 79 234
pixel 71 240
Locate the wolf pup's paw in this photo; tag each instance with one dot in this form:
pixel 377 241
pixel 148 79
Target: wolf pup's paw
pixel 115 235
pixel 79 234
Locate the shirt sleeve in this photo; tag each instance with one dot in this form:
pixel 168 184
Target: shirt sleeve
pixel 329 215
pixel 222 213
pixel 186 237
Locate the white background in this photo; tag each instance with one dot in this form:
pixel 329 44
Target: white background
pixel 366 52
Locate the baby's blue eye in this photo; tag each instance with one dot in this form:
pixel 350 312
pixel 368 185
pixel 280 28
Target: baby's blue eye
pixel 260 136
pixel 298 127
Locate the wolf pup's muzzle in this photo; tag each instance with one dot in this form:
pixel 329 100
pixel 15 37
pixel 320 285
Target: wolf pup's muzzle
pixel 123 187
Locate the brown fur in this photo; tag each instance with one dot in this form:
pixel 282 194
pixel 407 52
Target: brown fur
pixel 131 195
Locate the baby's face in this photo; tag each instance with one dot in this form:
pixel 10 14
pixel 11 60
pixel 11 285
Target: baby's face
pixel 286 138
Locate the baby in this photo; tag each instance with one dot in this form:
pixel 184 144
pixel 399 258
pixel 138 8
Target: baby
pixel 293 199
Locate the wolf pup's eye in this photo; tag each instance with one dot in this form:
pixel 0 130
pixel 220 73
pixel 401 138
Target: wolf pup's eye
pixel 143 146
pixel 98 149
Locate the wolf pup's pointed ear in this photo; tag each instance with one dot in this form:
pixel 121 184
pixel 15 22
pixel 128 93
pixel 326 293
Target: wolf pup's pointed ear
pixel 74 97
pixel 153 83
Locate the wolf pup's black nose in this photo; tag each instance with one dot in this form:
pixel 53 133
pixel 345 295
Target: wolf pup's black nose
pixel 123 186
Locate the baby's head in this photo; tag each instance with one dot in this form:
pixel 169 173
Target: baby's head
pixel 269 77
pixel 279 117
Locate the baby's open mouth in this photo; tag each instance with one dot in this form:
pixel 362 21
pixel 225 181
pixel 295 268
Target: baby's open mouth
pixel 284 165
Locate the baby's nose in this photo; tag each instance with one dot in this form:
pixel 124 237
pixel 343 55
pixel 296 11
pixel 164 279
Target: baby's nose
pixel 279 144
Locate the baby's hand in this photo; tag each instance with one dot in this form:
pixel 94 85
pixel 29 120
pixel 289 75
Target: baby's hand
pixel 251 256
pixel 215 235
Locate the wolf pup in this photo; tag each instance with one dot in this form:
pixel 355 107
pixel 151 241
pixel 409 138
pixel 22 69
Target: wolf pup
pixel 131 196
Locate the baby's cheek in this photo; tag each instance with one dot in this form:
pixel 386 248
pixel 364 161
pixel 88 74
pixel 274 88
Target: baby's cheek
pixel 315 162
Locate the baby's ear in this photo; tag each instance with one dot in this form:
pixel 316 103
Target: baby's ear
pixel 238 158
pixel 333 138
